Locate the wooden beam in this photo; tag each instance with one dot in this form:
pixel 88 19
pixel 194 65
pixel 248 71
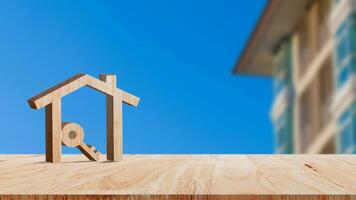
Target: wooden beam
pixel 74 83
pixel 128 98
pixel 53 131
pixel 58 91
pixel 99 85
pixel 114 144
pixel 107 88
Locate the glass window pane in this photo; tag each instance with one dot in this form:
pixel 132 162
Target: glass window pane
pixel 343 75
pixel 347 132
pixel 352 35
pixel 341 51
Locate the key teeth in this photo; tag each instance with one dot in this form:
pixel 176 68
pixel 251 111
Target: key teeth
pixel 95 151
pixel 90 152
pixel 91 147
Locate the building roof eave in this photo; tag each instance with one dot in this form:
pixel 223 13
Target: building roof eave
pixel 278 20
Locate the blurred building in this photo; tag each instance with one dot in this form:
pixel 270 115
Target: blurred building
pixel 309 48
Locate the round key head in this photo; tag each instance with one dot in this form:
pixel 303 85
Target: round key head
pixel 72 134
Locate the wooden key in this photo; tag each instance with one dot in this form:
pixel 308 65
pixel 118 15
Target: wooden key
pixel 73 136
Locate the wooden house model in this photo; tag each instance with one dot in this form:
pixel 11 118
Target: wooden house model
pixel 71 134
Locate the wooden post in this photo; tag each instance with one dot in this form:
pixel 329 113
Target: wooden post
pixel 114 143
pixel 53 131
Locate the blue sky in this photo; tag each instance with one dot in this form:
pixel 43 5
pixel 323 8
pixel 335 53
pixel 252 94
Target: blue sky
pixel 177 56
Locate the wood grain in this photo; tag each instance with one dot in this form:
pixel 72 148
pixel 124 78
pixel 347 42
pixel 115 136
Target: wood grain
pixel 180 177
pixel 178 197
pixel 74 83
pixel 90 152
pixel 73 135
pixel 53 117
pixel 114 143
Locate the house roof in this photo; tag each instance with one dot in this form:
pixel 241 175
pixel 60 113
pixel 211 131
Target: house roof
pixel 279 19
pixel 74 83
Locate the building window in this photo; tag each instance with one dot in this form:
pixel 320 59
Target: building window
pixel 347 130
pixel 284 132
pixel 282 73
pixel 283 68
pixel 345 51
pixel 352 33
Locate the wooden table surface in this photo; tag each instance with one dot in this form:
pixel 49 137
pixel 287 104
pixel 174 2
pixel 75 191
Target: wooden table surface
pixel 190 176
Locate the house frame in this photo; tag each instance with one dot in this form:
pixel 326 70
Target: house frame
pixel 51 100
